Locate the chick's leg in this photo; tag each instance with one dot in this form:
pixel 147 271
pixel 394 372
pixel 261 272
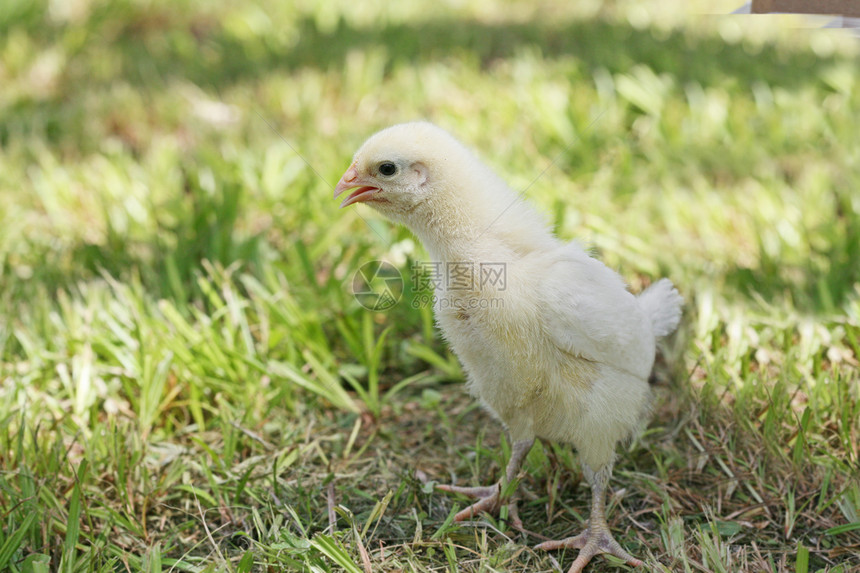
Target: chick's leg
pixel 596 538
pixel 490 498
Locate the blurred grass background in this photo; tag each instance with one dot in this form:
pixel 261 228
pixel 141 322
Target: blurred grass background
pixel 187 382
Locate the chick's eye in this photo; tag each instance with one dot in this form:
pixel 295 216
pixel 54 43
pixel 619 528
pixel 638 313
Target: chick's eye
pixel 388 169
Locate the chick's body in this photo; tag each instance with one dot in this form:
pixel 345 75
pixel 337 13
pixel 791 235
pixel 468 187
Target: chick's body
pixel 522 365
pixel 552 342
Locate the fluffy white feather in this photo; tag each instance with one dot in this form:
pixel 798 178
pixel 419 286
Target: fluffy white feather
pixel 560 351
pixel 662 303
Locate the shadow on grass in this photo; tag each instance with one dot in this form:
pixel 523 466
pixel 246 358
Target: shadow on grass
pixel 151 49
pixel 155 48
pixel 217 58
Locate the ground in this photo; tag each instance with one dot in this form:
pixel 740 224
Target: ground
pixel 188 383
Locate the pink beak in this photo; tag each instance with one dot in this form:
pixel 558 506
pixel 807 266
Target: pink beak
pixel 351 180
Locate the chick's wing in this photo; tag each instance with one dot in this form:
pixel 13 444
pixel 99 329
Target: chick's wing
pixel 589 313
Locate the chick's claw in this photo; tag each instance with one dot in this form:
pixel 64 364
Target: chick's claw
pixel 473 492
pixel 590 543
pixel 575 542
pixel 489 501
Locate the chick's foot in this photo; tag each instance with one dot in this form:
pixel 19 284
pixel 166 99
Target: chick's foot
pixel 596 538
pixel 490 498
pixel 591 542
pixel 489 501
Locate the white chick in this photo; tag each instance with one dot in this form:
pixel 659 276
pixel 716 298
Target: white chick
pixel 558 349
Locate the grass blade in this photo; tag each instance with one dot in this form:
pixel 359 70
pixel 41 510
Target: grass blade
pixel 332 549
pixel 13 542
pixel 73 523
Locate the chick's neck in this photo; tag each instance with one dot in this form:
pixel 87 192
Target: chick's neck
pixel 454 230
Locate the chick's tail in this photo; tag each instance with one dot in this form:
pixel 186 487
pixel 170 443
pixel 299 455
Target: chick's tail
pixel 662 304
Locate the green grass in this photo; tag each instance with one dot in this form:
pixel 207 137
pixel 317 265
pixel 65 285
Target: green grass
pixel 189 384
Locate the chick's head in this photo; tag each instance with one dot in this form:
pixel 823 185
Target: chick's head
pixel 400 169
